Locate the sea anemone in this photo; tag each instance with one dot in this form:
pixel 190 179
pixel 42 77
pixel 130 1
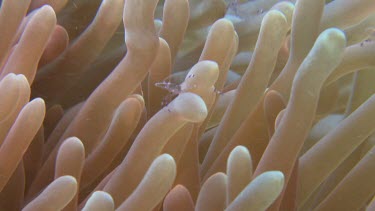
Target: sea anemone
pixel 205 105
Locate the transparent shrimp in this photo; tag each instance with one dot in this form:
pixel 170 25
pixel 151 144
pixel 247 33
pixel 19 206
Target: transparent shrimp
pixel 173 85
pixel 370 37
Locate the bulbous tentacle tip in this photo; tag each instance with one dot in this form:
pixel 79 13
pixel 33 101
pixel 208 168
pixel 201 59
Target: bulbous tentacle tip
pixel 190 107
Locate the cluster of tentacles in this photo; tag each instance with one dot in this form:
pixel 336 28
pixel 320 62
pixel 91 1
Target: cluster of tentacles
pixel 206 105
